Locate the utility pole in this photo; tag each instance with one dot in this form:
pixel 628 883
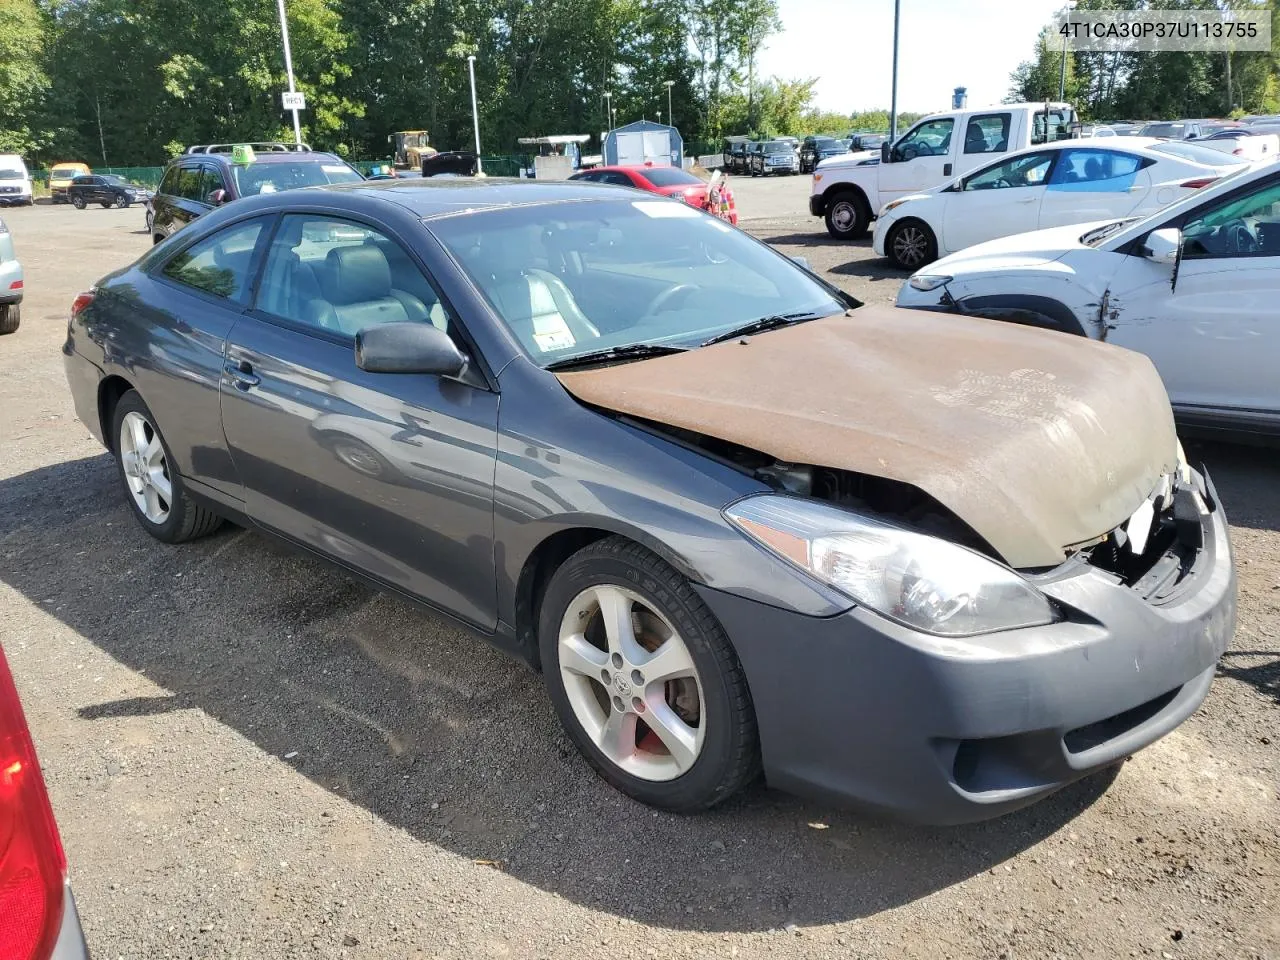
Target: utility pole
pixel 893 100
pixel 475 112
pixel 670 115
pixel 288 66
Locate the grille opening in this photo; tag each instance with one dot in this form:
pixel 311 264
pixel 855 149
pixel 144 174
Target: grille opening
pixel 1094 734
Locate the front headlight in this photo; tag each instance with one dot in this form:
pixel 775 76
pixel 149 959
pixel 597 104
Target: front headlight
pixel 926 282
pixel 915 579
pixel 891 204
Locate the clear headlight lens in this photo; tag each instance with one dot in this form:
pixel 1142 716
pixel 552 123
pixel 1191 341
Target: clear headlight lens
pixel 927 282
pixel 918 580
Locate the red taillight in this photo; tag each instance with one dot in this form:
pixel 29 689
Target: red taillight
pixel 1198 183
pixel 32 865
pixel 80 302
pixel 16 285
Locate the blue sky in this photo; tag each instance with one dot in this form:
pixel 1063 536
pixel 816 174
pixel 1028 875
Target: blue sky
pixel 943 44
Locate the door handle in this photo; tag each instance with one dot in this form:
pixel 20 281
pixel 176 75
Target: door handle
pixel 1025 200
pixel 946 169
pixel 241 374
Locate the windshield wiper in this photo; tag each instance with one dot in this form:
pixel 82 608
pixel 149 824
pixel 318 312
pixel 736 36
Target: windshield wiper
pixel 631 351
pixel 764 323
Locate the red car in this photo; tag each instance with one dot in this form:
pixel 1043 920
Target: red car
pixel 670 182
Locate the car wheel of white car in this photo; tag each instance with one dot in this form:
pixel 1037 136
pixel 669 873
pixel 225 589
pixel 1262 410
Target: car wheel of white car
pixel 10 318
pixel 645 680
pixel 911 244
pixel 847 216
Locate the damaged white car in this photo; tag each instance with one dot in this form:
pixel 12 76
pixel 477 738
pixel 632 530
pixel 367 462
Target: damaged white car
pixel 1195 287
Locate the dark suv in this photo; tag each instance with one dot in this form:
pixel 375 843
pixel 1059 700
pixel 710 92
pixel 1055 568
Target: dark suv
pixel 816 149
pixel 210 175
pixel 106 189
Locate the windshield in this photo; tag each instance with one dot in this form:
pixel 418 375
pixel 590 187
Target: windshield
pixel 115 180
pixel 1174 130
pixel 581 277
pixel 285 175
pixel 670 177
pixel 66 173
pixel 8 174
pixel 1194 152
pixel 777 146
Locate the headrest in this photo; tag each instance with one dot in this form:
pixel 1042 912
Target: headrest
pixel 355 274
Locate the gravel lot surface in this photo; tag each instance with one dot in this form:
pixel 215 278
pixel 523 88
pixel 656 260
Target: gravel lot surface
pixel 252 756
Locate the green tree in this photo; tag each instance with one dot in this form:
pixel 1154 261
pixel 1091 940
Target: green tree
pixel 23 81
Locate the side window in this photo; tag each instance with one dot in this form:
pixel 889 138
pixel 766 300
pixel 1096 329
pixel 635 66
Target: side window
pixel 1096 171
pixel 927 140
pixel 219 264
pixel 1025 171
pixel 341 276
pixel 169 185
pixel 617 179
pixel 987 134
pixel 1247 225
pixel 188 187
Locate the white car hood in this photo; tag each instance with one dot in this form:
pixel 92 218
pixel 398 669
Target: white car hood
pixel 846 160
pixel 1021 249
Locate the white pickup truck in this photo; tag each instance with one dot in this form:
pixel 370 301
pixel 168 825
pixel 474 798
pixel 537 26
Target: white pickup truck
pixel 849 191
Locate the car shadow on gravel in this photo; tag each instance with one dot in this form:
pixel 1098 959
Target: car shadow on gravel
pixel 436 733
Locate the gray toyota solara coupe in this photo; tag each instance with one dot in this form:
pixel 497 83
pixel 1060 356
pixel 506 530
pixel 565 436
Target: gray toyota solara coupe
pixel 741 523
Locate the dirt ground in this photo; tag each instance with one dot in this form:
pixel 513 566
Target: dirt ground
pixel 251 756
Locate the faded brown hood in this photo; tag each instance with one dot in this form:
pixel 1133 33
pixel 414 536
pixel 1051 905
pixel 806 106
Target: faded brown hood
pixel 1038 441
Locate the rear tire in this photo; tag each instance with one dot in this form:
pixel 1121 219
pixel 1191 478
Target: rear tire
pixel 10 318
pixel 152 486
pixel 122 203
pixel 848 216
pixel 78 203
pixel 695 693
pixel 910 245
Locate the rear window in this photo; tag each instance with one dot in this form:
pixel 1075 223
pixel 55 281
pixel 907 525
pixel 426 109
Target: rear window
pixel 289 175
pixel 670 177
pixel 1185 150
pixel 66 173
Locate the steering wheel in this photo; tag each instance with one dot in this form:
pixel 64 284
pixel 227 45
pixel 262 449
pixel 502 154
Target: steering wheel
pixel 664 299
pixel 1002 182
pixel 910 151
pixel 1240 238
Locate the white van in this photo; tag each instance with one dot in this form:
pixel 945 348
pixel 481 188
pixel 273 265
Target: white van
pixel 15 181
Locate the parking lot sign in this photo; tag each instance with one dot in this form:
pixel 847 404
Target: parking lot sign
pixel 294 100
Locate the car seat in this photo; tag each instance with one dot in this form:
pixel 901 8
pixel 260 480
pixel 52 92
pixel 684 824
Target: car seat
pixel 356 292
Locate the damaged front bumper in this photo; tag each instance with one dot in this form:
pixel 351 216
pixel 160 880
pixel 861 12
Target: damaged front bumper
pixel 855 708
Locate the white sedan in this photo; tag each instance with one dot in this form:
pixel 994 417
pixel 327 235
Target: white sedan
pixel 1195 287
pixel 1072 181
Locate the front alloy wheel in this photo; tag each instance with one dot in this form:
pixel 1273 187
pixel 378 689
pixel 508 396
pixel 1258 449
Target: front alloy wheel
pixel 644 679
pixel 911 245
pixel 78 202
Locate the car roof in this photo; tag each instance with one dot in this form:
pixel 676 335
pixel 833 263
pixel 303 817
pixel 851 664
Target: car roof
pixel 427 198
pixel 290 156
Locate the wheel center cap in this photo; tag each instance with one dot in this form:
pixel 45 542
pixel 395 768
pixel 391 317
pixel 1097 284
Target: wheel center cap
pixel 621 685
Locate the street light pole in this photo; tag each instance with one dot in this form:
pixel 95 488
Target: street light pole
pixel 670 116
pixel 1062 73
pixel 893 99
pixel 608 108
pixel 288 67
pixel 475 112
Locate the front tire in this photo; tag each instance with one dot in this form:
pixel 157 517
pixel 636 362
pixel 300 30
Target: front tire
pixel 122 203
pixel 153 488
pixel 78 203
pixel 644 679
pixel 10 318
pixel 911 245
pixel 848 216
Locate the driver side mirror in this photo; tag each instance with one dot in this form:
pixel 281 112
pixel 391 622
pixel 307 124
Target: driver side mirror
pixel 409 346
pixel 1162 246
pixel 218 197
pixel 886 152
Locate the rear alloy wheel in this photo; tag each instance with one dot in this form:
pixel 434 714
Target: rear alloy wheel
pixel 644 679
pixel 122 203
pixel 910 245
pixel 847 216
pixel 154 489
pixel 10 318
pixel 78 202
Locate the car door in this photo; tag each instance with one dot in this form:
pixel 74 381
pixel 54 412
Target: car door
pixel 1214 334
pixel 391 474
pixel 1092 184
pixel 996 201
pixel 918 160
pixel 984 134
